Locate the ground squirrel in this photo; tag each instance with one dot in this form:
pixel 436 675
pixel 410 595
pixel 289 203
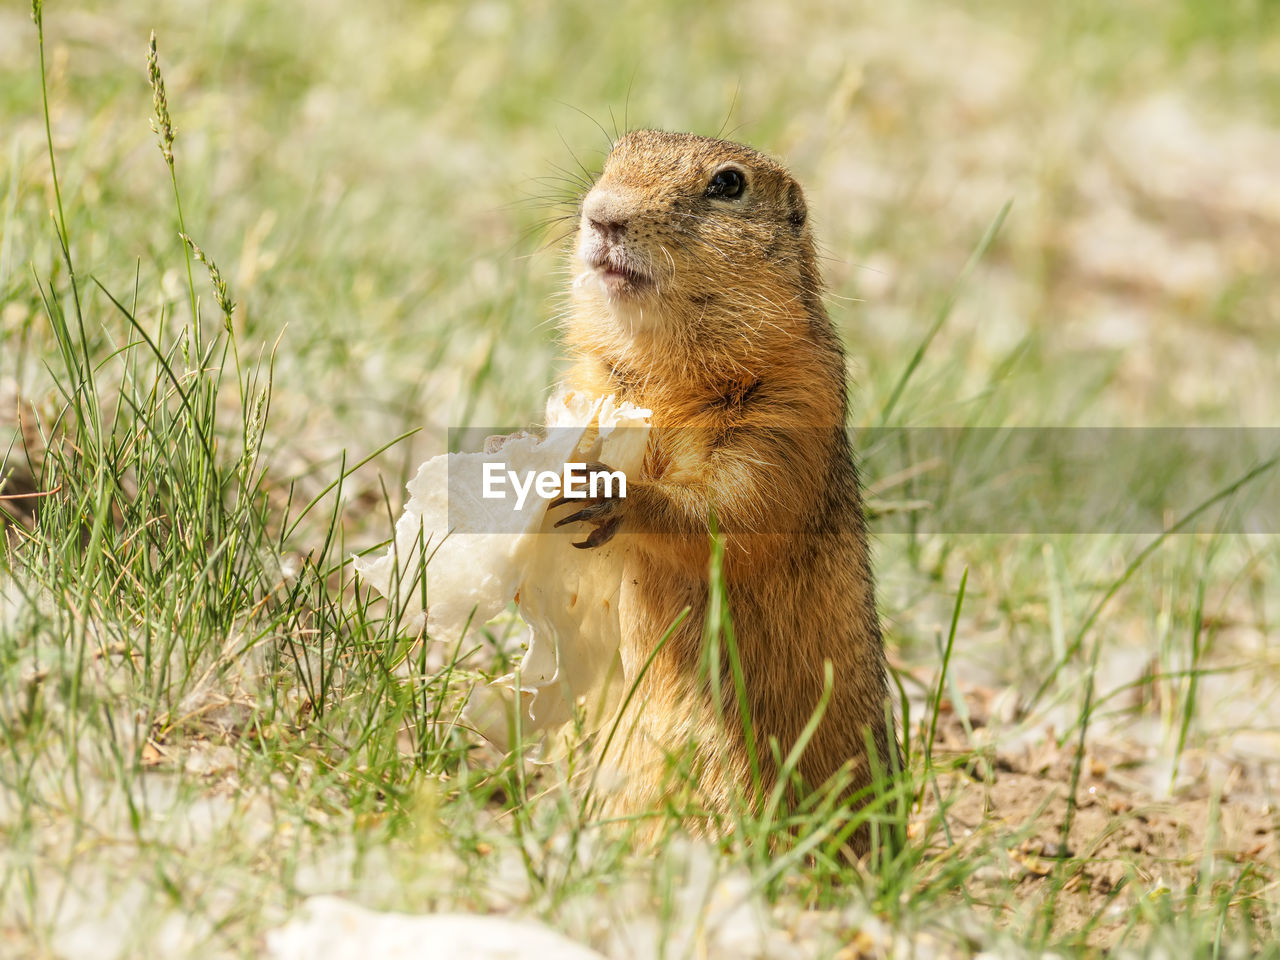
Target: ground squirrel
pixel 698 296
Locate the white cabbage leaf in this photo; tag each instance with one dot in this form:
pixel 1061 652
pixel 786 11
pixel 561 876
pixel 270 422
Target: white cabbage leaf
pixel 483 553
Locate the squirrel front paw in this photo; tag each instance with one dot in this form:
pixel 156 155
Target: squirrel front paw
pixel 603 512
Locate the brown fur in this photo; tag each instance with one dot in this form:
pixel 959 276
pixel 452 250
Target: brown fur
pixel 726 340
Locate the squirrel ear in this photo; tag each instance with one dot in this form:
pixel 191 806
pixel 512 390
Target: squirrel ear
pixel 797 213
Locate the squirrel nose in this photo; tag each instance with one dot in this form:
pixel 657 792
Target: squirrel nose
pixel 602 211
pixel 610 229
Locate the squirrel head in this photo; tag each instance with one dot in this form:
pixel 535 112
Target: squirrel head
pixel 689 240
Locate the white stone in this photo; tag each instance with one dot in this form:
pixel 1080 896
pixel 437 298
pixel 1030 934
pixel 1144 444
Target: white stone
pixel 329 928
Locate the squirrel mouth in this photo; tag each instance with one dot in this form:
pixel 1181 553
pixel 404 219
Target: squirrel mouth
pixel 619 279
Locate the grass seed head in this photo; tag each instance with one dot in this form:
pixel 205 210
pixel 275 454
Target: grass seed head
pixel 225 303
pixel 161 123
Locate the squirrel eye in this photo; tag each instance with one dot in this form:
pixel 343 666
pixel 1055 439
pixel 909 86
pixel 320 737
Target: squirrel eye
pixel 727 184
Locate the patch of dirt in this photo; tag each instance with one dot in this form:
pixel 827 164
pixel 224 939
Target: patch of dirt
pixel 1114 845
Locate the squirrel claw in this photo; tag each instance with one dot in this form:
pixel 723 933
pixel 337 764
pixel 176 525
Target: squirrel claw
pixel 594 466
pixel 596 511
pixel 601 534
